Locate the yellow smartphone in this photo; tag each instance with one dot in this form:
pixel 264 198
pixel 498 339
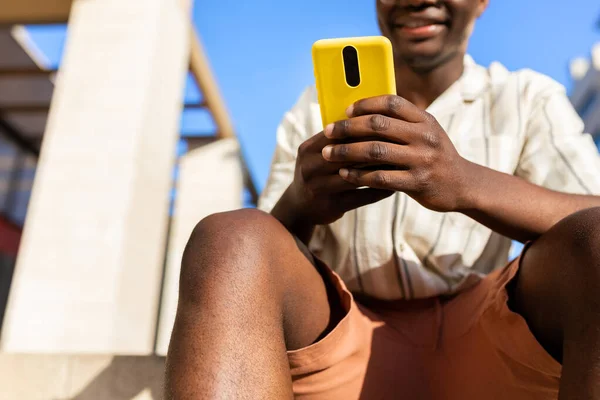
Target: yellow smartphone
pixel 351 69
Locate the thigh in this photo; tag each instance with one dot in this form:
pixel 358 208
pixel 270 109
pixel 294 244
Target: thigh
pixel 301 329
pixel 532 296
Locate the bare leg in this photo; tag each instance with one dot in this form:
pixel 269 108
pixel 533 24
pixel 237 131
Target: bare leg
pixel 558 293
pixel 247 294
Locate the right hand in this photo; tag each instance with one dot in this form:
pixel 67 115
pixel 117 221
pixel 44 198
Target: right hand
pixel 318 193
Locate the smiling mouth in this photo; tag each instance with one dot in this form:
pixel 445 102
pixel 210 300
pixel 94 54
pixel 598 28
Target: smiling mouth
pixel 420 28
pixel 418 24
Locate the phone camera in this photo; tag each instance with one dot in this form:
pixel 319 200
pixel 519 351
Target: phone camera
pixel 351 66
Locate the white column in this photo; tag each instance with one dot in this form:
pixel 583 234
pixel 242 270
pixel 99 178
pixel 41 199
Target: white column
pixel 89 272
pixel 210 181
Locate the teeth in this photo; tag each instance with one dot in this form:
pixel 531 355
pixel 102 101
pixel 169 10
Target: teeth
pixel 417 24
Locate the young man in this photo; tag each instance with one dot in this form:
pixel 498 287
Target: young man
pixel 476 157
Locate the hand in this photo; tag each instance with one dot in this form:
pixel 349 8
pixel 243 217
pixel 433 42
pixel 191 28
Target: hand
pixel 319 194
pixel 391 131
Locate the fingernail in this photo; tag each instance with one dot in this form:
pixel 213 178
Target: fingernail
pixel 344 173
pixel 328 130
pixel 327 152
pixel 350 110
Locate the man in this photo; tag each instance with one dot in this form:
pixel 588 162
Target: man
pixel 475 157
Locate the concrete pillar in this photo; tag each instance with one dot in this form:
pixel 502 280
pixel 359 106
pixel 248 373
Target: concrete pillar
pixel 210 181
pixel 89 272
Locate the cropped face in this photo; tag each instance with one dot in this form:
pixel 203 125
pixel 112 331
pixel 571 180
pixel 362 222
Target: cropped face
pixel 425 33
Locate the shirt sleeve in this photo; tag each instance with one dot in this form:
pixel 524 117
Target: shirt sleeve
pixel 557 154
pixel 295 128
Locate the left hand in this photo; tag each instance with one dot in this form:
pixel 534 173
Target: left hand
pixel 391 131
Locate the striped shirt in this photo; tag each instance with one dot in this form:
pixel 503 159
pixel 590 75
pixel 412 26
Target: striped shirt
pixel 520 123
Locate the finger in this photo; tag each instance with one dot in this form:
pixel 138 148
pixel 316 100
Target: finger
pixel 369 153
pixel 400 181
pixel 361 197
pixel 314 144
pixel 371 126
pixel 314 164
pixel 391 106
pixel 330 184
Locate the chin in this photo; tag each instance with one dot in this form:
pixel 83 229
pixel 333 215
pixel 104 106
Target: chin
pixel 420 55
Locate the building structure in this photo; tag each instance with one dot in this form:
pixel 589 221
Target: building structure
pixel 87 154
pixel 586 91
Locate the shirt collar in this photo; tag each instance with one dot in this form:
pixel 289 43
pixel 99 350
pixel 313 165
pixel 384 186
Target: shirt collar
pixel 472 84
pixel 474 80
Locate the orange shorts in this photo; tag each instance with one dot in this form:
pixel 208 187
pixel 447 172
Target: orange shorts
pixel 471 346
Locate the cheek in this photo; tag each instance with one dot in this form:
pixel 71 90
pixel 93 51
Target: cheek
pixel 383 14
pixel 463 13
pixel 386 4
pixel 467 5
pixel 469 29
pixel 383 9
pixel 464 10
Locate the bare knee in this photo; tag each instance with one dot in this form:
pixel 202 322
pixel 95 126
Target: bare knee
pixel 578 238
pixel 582 274
pixel 563 266
pixel 234 229
pixel 230 247
pixel 583 229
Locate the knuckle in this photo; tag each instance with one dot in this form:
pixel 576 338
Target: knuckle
pixel 378 123
pixel 377 151
pixel 429 119
pixel 303 148
pixel 342 127
pixel 379 179
pixel 358 107
pixel 340 152
pixel 421 180
pixel 394 104
pixel 426 176
pixel 428 158
pixel 432 139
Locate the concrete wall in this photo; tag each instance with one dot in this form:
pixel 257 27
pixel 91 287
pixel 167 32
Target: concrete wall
pixel 89 272
pixel 210 180
pixel 82 320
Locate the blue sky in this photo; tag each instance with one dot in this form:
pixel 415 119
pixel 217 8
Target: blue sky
pixel 260 52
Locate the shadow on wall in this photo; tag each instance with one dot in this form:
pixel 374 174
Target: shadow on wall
pixel 125 378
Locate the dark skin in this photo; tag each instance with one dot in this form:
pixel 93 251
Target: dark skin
pixel 248 292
